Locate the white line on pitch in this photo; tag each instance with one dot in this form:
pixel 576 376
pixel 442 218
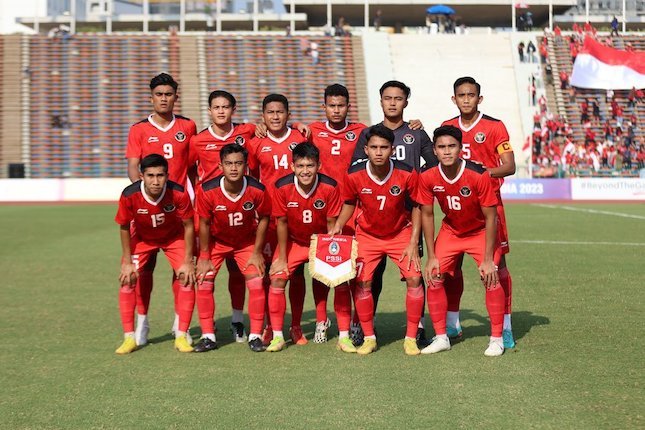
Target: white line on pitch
pixel 564 242
pixel 592 211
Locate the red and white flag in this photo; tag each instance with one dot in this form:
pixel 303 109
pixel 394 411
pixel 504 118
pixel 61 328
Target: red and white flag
pixel 601 67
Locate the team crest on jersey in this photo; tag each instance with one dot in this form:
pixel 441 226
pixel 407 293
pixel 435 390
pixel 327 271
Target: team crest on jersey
pixel 319 204
pixel 465 191
pixel 247 206
pixel 334 248
pixel 408 139
pixel 142 211
pixel 153 139
pixel 292 145
pixel 240 140
pixel 438 189
pixel 169 208
pixel 180 136
pixel 351 136
pixel 395 190
pixel 480 137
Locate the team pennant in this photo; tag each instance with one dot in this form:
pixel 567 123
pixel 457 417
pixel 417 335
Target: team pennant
pixel 332 260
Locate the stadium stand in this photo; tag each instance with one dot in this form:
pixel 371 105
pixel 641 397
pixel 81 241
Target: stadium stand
pixel 593 132
pixel 87 90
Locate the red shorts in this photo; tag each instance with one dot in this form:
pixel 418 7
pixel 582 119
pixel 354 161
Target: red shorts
pixel 502 232
pixel 296 255
pixel 371 249
pixel 220 252
pixel 448 248
pixel 175 252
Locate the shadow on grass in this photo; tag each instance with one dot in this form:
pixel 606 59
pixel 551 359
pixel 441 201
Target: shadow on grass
pixel 390 327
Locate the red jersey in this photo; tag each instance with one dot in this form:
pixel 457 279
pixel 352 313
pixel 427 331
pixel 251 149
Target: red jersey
pixel 336 146
pixel 155 221
pixel 233 219
pixel 384 206
pixel 205 146
pixel 483 141
pixel 306 213
pixel 461 198
pixel 147 138
pixel 272 156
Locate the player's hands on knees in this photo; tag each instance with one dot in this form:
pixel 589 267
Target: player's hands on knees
pixel 415 124
pixel 279 265
pixel 186 274
pixel 488 273
pixel 260 130
pixel 412 252
pixel 256 260
pixel 128 275
pixel 204 265
pixel 431 272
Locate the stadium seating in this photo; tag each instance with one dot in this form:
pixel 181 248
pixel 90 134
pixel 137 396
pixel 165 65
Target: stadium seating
pixel 88 89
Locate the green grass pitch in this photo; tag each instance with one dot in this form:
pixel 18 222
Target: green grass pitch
pixel 578 316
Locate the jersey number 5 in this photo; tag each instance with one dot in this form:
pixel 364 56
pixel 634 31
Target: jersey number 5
pixel 465 151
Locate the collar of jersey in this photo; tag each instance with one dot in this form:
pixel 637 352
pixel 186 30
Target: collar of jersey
pixel 222 138
pixel 301 191
pixel 333 130
pixel 147 197
pixel 481 114
pixel 461 171
pixel 279 140
pixel 155 125
pixel 227 195
pixel 374 178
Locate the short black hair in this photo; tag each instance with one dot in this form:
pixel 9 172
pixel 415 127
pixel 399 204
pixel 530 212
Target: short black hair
pixel 381 131
pixel 448 130
pixel 163 79
pixel 233 148
pixel 275 98
pixel 466 80
pixel 306 150
pixel 396 84
pixel 153 160
pixel 336 90
pixel 221 93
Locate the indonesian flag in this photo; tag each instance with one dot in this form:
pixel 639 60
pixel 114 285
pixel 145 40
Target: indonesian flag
pixel 601 67
pixel 332 260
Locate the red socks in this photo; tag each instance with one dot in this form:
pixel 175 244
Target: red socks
pixel 277 307
pixel 206 304
pixel 437 305
pixel 127 303
pixel 256 304
pixel 414 309
pixel 454 287
pixel 185 304
pixel 495 300
pixel 507 284
pixel 364 303
pixel 296 298
pixel 236 285
pixel 321 292
pixel 144 290
pixel 342 307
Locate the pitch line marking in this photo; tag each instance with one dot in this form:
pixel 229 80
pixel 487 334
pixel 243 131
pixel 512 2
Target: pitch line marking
pixel 565 242
pixel 592 211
